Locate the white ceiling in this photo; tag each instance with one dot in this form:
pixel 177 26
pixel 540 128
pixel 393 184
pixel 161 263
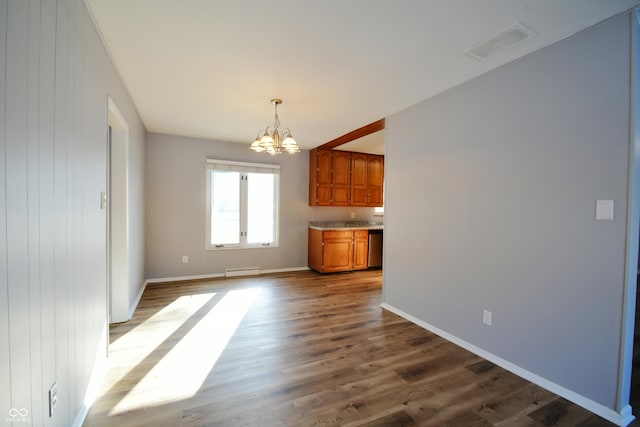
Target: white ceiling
pixel 208 68
pixel 371 144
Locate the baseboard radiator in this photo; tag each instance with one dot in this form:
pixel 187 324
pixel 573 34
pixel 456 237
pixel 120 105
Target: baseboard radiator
pixel 242 271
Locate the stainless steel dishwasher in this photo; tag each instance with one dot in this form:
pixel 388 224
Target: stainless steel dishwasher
pixel 375 248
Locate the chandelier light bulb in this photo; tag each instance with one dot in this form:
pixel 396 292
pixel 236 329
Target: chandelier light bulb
pixel 289 141
pixel 255 146
pixel 266 140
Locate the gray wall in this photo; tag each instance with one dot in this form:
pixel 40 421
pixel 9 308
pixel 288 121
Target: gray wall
pixel 490 204
pixel 175 200
pixel 54 82
pixel 176 208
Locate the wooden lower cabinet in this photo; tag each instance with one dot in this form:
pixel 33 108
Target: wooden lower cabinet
pixel 338 250
pixel 360 249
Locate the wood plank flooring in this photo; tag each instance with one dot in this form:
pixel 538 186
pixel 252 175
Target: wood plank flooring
pixel 303 349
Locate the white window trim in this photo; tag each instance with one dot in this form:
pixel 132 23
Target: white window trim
pixel 243 168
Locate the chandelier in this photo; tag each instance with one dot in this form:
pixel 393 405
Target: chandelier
pixel 273 142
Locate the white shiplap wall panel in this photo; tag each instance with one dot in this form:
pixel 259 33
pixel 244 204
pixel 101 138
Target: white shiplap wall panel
pixel 80 244
pixel 73 192
pixel 53 116
pixel 46 192
pixel 5 377
pixel 62 258
pixel 82 236
pixel 73 260
pixel 16 199
pixel 33 211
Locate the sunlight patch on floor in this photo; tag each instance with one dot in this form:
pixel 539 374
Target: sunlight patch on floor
pixel 181 372
pixel 147 337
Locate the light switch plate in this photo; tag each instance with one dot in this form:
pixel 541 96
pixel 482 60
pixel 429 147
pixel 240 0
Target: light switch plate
pixel 604 210
pixel 487 317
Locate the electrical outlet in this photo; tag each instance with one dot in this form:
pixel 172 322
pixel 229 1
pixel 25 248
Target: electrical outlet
pixel 53 398
pixel 185 259
pixel 487 317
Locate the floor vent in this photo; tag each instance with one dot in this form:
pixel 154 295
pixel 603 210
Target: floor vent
pixel 510 36
pixel 242 271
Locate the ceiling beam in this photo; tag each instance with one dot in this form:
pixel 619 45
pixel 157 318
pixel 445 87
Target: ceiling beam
pixel 353 135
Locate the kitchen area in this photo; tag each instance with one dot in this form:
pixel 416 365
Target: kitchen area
pixel 346 191
pixel 345 245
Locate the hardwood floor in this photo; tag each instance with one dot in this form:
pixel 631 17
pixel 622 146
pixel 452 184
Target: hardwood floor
pixel 303 349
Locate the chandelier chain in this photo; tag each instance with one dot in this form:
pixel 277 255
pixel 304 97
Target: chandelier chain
pixel 276 123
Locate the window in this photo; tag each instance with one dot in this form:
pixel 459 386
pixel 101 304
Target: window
pixel 242 204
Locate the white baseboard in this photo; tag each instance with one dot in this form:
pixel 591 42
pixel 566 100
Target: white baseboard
pixel 626 415
pixel 241 271
pixel 135 303
pixel 183 278
pixel 284 270
pixel 622 418
pixel 217 275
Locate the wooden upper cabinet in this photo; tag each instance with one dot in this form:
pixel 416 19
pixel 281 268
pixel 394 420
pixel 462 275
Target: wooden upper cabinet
pixel 367 179
pixel 343 178
pixel 358 179
pixel 375 180
pixel 320 178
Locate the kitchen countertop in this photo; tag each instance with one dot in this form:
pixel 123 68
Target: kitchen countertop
pixel 346 225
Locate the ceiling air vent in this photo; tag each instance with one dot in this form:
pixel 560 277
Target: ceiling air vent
pixel 510 36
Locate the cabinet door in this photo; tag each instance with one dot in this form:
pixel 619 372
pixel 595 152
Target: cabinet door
pixel 337 252
pixel 323 178
pixel 375 180
pixel 341 178
pixel 360 249
pixel 314 255
pixel 358 179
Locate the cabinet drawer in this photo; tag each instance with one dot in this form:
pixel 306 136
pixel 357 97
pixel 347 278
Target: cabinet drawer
pixel 361 234
pixel 338 234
